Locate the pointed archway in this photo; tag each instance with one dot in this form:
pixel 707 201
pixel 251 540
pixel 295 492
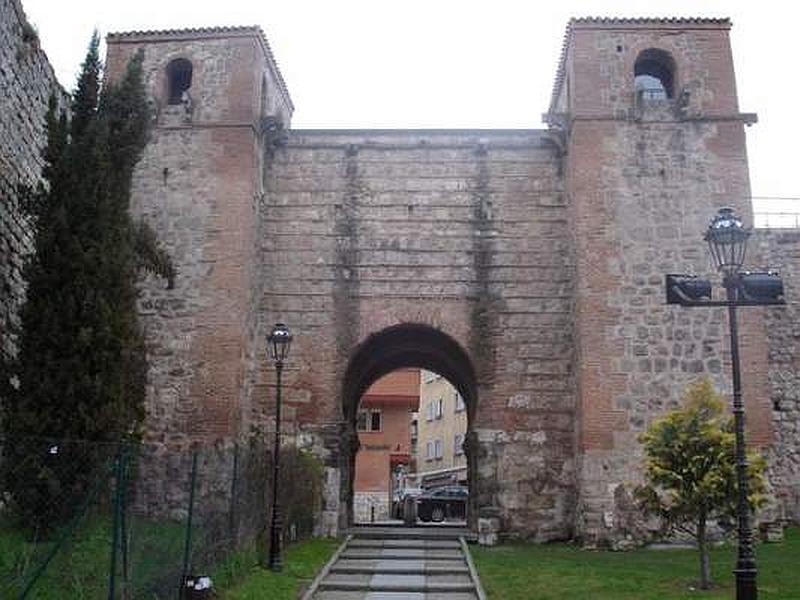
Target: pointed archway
pixel 397 347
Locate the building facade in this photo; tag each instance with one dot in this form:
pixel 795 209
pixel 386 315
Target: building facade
pixel 441 431
pixel 383 424
pixel 524 266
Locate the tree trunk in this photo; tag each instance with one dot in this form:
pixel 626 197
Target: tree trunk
pixel 702 546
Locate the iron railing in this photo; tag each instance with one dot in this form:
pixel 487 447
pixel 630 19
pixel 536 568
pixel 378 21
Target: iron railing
pixel 776 220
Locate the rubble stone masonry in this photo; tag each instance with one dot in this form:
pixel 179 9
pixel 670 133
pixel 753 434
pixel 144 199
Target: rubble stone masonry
pixel 26 84
pixel 198 185
pixel 644 177
pixel 525 266
pixel 780 250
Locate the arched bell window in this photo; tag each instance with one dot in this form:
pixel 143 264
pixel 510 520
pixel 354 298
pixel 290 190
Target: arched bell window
pixel 179 79
pixel 654 74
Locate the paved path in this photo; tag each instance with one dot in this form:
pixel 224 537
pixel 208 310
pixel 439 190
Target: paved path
pixel 400 563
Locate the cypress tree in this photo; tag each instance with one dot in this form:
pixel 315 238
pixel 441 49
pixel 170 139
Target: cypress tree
pixel 78 381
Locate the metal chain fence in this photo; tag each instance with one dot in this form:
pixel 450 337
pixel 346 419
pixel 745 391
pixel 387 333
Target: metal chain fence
pixel 88 520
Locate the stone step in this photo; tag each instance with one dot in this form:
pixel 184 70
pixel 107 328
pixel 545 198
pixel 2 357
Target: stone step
pixel 399 543
pixel 401 554
pixel 407 567
pixel 447 526
pixel 388 582
pixel 368 595
pixel 438 532
pixel 399 524
pixel 394 568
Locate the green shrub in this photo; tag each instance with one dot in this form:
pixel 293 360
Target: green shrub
pixel 301 491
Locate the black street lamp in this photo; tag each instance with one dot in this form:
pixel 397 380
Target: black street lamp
pixel 727 242
pixel 278 343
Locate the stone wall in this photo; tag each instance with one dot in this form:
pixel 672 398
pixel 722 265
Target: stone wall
pixel 539 255
pixel 463 231
pixel 780 250
pixel 371 506
pixel 27 82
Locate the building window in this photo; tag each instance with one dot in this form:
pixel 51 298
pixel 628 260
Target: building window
pixel 369 420
pixel 459 403
pixel 458 444
pixel 438 449
pixel 654 74
pixel 376 421
pixel 429 451
pixel 179 79
pixel 429 411
pixel 438 408
pixel 430 376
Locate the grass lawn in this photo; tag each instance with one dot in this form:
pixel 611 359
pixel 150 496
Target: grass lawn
pixel 80 570
pixel 564 572
pixel 301 562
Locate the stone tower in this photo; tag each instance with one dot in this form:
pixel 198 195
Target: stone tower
pixel 655 143
pixel 219 98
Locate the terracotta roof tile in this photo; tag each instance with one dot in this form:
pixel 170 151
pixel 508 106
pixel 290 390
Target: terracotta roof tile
pixel 650 20
pixel 183 31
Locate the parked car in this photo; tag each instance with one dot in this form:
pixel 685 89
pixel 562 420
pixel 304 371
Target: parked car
pixel 443 503
pixel 400 498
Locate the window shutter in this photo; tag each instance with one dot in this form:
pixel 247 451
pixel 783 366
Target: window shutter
pixel 375 424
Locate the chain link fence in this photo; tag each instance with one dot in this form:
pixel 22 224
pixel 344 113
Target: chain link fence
pixel 88 520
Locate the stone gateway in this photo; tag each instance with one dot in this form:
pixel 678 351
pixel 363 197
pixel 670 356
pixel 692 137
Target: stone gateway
pixel 525 266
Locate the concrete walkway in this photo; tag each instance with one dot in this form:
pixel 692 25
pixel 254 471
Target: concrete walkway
pixel 400 563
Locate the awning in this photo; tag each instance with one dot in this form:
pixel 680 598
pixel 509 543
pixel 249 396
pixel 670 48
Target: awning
pixel 399 459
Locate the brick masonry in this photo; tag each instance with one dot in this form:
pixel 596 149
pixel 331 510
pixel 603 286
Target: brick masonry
pixel 435 224
pixel 536 256
pixel 199 185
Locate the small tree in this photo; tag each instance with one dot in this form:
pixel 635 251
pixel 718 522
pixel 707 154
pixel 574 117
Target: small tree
pixel 690 470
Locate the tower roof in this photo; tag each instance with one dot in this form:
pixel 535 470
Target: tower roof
pixel 663 23
pixel 195 33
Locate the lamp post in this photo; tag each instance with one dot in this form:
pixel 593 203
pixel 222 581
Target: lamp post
pixel 278 342
pixel 727 242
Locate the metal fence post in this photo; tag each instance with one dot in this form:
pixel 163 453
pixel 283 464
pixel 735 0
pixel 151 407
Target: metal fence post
pixel 187 550
pixel 115 526
pixel 124 518
pixel 63 538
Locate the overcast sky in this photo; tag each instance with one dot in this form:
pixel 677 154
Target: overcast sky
pixel 459 63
